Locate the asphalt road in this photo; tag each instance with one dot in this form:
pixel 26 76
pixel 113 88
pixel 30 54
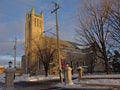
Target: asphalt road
pixel 46 85
pixel 49 85
pixel 41 85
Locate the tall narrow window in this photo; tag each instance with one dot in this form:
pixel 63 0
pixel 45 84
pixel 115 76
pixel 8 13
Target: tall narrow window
pixel 35 21
pixel 39 23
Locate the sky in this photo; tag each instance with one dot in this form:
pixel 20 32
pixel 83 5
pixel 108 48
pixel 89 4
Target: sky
pixel 12 23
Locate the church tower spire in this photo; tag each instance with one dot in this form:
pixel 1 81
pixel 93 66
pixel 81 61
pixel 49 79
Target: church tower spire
pixel 32 11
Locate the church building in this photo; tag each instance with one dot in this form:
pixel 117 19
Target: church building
pixel 34 34
pixel 35 37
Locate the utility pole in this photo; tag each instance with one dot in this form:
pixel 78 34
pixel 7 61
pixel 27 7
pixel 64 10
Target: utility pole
pixel 15 53
pixel 57 35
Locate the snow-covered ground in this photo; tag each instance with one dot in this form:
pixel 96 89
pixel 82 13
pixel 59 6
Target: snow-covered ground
pixel 76 83
pixel 105 83
pixel 27 78
pixel 111 79
pixel 102 81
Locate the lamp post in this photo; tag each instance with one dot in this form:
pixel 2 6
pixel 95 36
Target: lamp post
pixel 9 77
pixel 10 64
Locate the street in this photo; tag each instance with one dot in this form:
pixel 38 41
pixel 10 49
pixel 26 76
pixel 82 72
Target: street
pixel 41 85
pixel 49 85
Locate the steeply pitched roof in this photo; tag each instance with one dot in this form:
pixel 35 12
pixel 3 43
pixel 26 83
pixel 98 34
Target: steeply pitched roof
pixel 65 44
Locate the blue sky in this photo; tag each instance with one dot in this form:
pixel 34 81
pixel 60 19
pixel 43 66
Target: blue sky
pixel 12 22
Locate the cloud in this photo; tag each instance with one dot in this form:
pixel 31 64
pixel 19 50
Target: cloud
pixel 8 32
pixel 12 22
pixel 7 48
pixel 4 61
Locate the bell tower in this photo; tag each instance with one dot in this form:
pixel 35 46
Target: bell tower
pixel 34 31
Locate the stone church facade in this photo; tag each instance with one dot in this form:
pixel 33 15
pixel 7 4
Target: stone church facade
pixel 34 33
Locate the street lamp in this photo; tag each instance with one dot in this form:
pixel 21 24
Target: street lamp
pixel 10 64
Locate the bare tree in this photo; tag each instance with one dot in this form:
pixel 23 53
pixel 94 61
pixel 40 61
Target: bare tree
pixel 91 59
pixel 93 29
pixel 46 53
pixel 114 19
